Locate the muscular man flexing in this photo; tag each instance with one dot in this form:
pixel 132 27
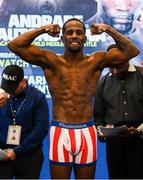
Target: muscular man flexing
pixel 72 79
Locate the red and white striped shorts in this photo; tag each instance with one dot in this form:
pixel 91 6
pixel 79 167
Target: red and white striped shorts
pixel 73 143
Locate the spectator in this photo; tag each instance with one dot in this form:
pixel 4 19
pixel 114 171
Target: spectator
pixel 23 126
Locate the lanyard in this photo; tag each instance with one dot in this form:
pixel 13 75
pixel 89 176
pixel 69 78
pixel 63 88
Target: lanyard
pixel 14 115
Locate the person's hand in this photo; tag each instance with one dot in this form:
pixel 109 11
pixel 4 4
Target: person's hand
pixel 53 30
pixel 101 137
pixel 3 99
pixel 10 154
pixel 98 28
pixel 131 132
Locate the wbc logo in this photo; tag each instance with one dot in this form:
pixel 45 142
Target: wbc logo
pixel 9 78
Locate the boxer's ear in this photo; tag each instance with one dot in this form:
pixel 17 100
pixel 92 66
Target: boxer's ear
pixel 62 39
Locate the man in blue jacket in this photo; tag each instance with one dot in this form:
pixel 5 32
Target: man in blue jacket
pixel 23 126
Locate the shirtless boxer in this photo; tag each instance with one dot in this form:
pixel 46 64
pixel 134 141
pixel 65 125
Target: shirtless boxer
pixel 72 79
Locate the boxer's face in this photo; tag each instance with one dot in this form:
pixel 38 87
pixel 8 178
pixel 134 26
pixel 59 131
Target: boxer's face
pixel 74 36
pixel 120 13
pixel 46 6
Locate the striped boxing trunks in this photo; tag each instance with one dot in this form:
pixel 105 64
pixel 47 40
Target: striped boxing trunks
pixel 73 143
